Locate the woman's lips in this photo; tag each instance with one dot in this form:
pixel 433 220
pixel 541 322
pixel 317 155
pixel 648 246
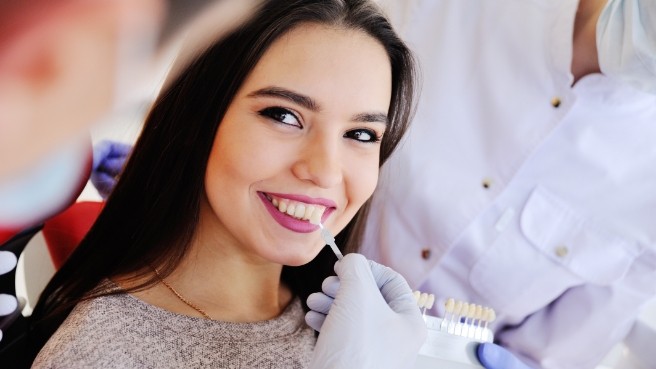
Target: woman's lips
pixel 289 221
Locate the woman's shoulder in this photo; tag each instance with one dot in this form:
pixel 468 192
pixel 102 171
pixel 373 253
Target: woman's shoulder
pixel 90 335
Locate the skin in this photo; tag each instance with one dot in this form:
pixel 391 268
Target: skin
pixel 585 58
pixel 239 249
pixel 67 64
pixel 58 67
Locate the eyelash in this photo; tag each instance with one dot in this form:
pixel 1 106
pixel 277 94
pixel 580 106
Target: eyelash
pixel 354 132
pixel 277 113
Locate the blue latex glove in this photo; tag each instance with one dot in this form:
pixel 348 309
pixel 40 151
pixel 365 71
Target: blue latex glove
pixel 367 316
pixel 493 356
pixel 108 160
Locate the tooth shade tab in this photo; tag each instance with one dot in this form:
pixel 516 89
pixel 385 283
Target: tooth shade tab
pixel 461 318
pixel 317 214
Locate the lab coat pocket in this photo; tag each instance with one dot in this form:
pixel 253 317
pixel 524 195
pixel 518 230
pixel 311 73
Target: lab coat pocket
pixel 553 249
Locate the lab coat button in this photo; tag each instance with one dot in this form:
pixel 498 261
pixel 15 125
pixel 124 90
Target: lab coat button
pixel 555 102
pixel 561 251
pixel 425 253
pixel 487 183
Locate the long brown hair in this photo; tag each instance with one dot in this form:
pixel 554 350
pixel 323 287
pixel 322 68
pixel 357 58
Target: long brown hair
pixel 153 212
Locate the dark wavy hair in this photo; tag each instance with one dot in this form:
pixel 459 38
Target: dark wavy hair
pixel 153 212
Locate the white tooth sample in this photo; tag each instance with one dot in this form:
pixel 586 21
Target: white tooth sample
pixel 430 301
pixel 300 211
pixel 282 206
pixel 274 202
pixel 422 300
pixel 291 208
pixel 449 305
pixel 317 214
pixel 491 316
pixel 308 212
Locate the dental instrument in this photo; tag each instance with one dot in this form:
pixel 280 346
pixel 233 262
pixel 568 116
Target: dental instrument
pixel 330 241
pixel 452 340
pixel 326 235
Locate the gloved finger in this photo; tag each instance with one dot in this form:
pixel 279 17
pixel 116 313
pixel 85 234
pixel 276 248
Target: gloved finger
pixel 100 151
pixel 102 179
pixel 7 261
pixel 315 320
pixel 8 304
pixel 119 150
pixel 109 149
pixel 330 286
pixel 112 166
pixel 103 182
pixel 394 288
pixel 354 266
pixel 320 302
pixel 493 356
pixel 354 269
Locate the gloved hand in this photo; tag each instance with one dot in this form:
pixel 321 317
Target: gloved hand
pixel 8 303
pixel 367 316
pixel 493 356
pixel 108 160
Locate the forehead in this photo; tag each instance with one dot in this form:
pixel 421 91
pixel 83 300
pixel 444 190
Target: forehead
pixel 319 59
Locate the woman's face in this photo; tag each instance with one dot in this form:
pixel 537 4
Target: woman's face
pixel 302 132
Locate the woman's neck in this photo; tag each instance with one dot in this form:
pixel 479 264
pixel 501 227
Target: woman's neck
pixel 217 277
pixel 585 59
pixel 230 286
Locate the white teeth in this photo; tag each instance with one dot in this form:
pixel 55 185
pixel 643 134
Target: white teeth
pixel 282 206
pixel 291 209
pixel 299 210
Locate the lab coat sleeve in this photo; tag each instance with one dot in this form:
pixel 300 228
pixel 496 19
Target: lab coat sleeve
pixel 579 328
pixel 626 42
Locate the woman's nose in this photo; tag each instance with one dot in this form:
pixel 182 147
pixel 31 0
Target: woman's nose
pixel 320 163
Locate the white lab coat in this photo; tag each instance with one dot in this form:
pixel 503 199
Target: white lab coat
pixel 515 190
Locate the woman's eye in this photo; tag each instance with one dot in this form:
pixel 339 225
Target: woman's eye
pixel 362 135
pixel 281 115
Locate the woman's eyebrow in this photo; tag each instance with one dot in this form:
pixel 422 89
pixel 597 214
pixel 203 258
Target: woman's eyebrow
pixel 305 101
pixel 371 118
pixel 310 104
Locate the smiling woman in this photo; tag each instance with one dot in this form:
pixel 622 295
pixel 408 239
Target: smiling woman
pixel 209 233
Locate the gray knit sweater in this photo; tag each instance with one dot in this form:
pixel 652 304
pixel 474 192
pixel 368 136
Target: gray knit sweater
pixel 121 331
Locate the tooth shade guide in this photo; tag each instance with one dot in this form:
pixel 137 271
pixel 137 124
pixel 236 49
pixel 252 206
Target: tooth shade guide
pixel 451 342
pixel 460 318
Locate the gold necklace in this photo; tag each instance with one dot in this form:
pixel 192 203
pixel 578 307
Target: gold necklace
pixel 179 296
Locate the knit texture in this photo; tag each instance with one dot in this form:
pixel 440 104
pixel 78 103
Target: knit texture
pixel 122 331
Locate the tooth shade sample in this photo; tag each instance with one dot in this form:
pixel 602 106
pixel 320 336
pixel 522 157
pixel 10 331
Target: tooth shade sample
pixel 308 212
pixel 316 215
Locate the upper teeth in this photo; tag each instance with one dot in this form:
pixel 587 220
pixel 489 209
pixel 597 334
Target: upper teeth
pixel 299 210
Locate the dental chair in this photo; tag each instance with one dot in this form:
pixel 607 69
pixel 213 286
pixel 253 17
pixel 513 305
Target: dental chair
pixel 62 233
